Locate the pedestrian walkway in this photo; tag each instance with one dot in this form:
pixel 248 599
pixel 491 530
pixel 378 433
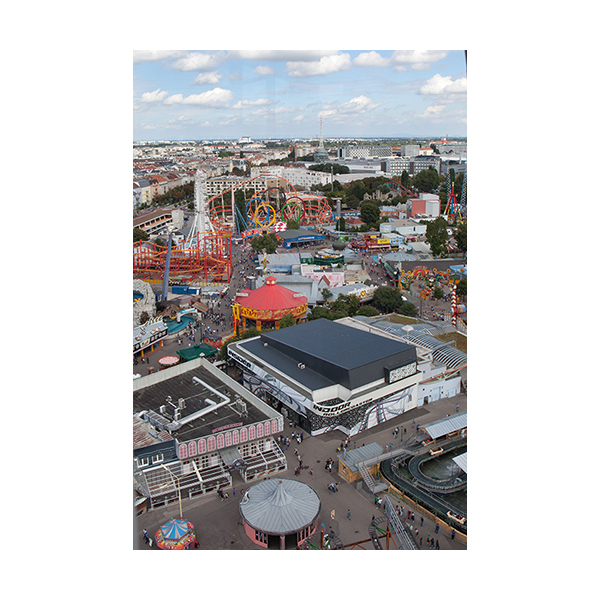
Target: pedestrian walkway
pixel 217 523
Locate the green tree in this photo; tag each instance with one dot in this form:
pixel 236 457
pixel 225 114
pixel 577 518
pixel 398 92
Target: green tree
pixel 342 224
pixel 437 236
pixel 327 295
pixel 293 224
pixel 408 309
pixel 319 312
pixel 369 213
pixel 286 321
pixel 461 236
pixel 139 234
pixel 461 287
pixel 427 180
pixel 367 311
pixel 387 299
pixel 438 293
pixel 404 178
pixel 267 242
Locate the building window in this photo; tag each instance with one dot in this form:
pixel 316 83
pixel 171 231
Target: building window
pixel 251 432
pixel 235 436
pixel 220 441
pixel 201 446
pixel 158 458
pixel 243 435
pixel 211 443
pixel 259 430
pixel 143 462
pixel 192 449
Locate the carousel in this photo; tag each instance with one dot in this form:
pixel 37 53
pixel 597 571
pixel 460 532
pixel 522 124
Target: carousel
pixel 264 307
pixel 177 534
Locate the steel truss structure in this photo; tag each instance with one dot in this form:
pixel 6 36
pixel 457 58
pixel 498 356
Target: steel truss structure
pixel 205 257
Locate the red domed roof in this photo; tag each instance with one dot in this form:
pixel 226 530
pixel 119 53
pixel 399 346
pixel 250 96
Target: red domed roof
pixel 271 297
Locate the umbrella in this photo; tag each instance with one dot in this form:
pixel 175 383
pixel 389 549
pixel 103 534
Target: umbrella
pixel 177 534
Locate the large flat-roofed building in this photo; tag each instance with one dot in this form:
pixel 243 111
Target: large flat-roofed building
pixel 325 375
pixel 217 426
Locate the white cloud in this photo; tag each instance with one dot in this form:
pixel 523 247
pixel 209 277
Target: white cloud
pixel 217 98
pixel 140 56
pixel 371 59
pixel 327 64
pixel 433 111
pixel 247 103
pixel 298 118
pixel 298 55
pixel 356 106
pixel 273 111
pixel 264 70
pixel 450 90
pixel 419 60
pixel 199 61
pixel 155 96
pixel 212 78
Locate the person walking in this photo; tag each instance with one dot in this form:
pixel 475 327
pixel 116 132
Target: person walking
pixel 421 521
pixel 349 516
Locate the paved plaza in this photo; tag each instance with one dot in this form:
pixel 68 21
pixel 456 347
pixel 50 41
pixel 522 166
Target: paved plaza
pixel 218 525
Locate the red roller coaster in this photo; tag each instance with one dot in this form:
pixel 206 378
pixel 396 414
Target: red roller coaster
pixel 206 259
pixel 267 207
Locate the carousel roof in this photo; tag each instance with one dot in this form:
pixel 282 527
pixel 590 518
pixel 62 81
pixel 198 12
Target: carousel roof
pixel 280 505
pixel 270 297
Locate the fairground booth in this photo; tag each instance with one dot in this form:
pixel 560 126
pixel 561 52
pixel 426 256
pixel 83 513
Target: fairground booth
pixel 264 307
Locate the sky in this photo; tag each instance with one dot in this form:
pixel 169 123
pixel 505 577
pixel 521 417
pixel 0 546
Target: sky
pixel 226 94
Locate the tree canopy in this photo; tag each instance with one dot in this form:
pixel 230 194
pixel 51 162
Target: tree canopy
pixel 369 213
pixel 139 234
pixel 437 236
pixel 427 180
pixel 461 236
pixel 267 242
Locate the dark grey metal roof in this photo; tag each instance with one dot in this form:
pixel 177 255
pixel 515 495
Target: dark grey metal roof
pixel 338 344
pixel 322 350
pixel 280 506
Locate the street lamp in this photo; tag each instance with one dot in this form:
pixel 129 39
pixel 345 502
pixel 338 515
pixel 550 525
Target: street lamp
pixel 178 489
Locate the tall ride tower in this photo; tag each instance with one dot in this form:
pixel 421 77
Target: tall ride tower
pixel 202 223
pixel 321 154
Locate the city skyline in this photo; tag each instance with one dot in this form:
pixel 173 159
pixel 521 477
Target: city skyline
pixel 187 95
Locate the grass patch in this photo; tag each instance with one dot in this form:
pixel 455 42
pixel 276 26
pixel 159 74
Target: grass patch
pixel 461 340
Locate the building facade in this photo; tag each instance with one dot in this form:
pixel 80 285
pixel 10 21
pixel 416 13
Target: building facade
pixel 326 376
pixel 216 426
pixel 364 151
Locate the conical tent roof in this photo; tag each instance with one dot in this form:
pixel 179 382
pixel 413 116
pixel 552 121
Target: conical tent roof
pixel 280 506
pixel 271 297
pixel 175 529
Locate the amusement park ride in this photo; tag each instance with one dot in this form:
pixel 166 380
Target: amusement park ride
pixel 453 210
pixel 205 256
